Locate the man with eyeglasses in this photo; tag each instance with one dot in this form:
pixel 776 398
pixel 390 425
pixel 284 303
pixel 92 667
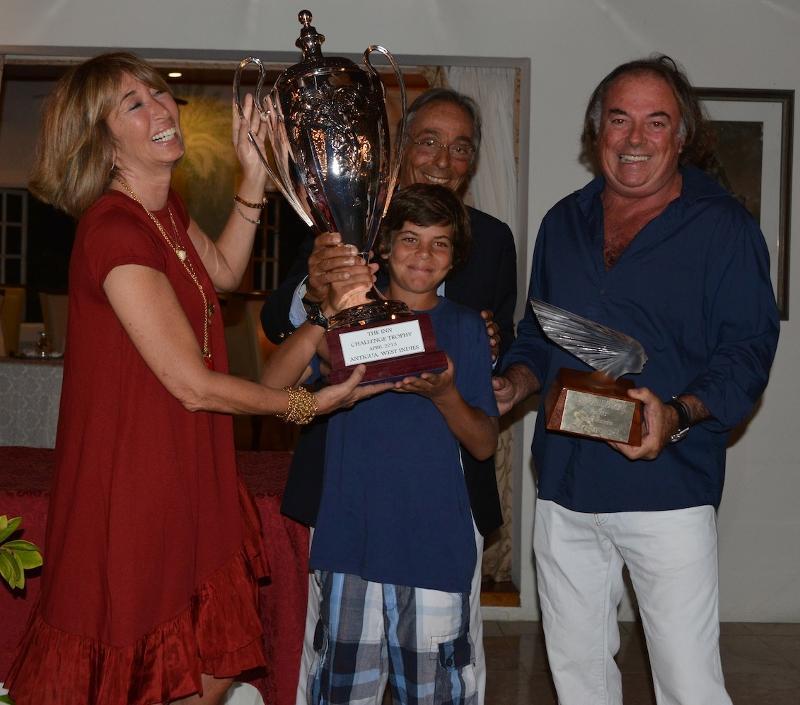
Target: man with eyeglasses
pixel 444 135
pixel 443 132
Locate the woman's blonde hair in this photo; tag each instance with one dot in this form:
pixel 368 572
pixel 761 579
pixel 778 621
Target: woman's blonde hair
pixel 75 153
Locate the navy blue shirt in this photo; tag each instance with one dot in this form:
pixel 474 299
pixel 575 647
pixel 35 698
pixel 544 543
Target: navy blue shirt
pixel 693 288
pixel 394 502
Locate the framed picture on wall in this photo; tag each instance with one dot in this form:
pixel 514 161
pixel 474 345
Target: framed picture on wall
pixel 754 162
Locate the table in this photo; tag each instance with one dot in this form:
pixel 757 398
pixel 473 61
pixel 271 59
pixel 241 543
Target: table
pixel 30 391
pixel 24 487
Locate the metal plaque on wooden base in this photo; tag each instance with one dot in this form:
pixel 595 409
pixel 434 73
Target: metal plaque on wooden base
pixel 593 405
pixel 403 346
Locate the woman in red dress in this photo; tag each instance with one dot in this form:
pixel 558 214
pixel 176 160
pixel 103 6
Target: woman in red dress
pixel 152 549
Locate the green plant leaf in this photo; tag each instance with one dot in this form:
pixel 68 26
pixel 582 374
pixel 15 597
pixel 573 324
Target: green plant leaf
pixel 16 556
pixel 8 526
pixel 29 559
pixel 20 545
pixel 6 699
pixel 19 571
pixel 6 570
pixel 10 568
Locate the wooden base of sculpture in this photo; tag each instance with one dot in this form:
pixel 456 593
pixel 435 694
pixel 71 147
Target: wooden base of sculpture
pixel 593 405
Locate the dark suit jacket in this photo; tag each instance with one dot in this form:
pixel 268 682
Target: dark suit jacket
pixel 487 280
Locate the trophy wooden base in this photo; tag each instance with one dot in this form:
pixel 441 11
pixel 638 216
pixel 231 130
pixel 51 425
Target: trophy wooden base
pixel 593 405
pixel 391 349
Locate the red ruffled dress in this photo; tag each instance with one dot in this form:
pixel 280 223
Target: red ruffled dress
pixel 153 547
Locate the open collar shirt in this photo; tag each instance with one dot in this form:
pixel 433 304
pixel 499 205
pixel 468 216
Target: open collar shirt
pixel 693 287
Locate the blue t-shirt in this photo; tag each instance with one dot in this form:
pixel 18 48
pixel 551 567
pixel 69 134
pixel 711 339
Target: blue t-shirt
pixel 394 503
pixel 693 288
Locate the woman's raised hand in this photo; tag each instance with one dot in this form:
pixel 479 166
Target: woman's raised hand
pixel 252 168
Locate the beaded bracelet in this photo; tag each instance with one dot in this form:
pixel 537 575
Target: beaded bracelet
pixel 250 204
pixel 254 221
pixel 302 406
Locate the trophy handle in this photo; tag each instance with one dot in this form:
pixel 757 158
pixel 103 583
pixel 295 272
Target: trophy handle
pixel 266 116
pixel 237 78
pixel 394 165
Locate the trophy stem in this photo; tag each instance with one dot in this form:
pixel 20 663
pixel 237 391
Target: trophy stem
pixel 376 307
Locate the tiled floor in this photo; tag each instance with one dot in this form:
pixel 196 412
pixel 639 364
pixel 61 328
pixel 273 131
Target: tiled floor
pixel 761 664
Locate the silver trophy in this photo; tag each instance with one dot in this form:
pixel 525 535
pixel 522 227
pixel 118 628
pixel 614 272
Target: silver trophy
pixel 330 153
pixel 592 404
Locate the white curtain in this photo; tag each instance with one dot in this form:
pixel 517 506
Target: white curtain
pixel 493 189
pixel 494 186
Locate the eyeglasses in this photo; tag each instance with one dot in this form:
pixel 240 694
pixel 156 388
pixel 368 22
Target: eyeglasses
pixel 459 152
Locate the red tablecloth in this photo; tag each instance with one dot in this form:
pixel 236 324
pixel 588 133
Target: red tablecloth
pixel 24 487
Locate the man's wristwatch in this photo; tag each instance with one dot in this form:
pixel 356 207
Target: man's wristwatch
pixel 314 314
pixel 684 419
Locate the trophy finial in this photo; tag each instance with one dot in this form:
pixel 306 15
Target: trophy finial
pixel 309 41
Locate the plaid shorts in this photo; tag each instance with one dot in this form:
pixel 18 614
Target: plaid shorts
pixel 370 633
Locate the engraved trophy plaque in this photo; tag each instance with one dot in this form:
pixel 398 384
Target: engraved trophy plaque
pixel 592 404
pixel 330 158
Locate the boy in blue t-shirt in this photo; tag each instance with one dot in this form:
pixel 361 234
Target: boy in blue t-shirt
pixel 394 548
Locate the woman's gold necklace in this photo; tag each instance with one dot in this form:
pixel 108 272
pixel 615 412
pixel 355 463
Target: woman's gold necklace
pixel 183 257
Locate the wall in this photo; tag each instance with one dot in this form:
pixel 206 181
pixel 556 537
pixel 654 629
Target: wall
pixel 17 139
pixel 571 45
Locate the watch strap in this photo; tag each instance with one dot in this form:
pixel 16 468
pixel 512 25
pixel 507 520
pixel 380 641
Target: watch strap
pixel 684 419
pixel 314 314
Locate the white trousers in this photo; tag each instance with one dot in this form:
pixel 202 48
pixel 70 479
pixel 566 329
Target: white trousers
pixel 672 561
pixel 475 629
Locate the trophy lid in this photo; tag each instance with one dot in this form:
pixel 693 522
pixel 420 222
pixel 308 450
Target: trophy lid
pixel 310 43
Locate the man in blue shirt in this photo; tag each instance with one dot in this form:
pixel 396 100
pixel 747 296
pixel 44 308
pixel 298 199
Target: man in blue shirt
pixel 656 249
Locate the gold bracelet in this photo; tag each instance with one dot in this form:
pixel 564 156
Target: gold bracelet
pixel 302 406
pixel 250 204
pixel 257 221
